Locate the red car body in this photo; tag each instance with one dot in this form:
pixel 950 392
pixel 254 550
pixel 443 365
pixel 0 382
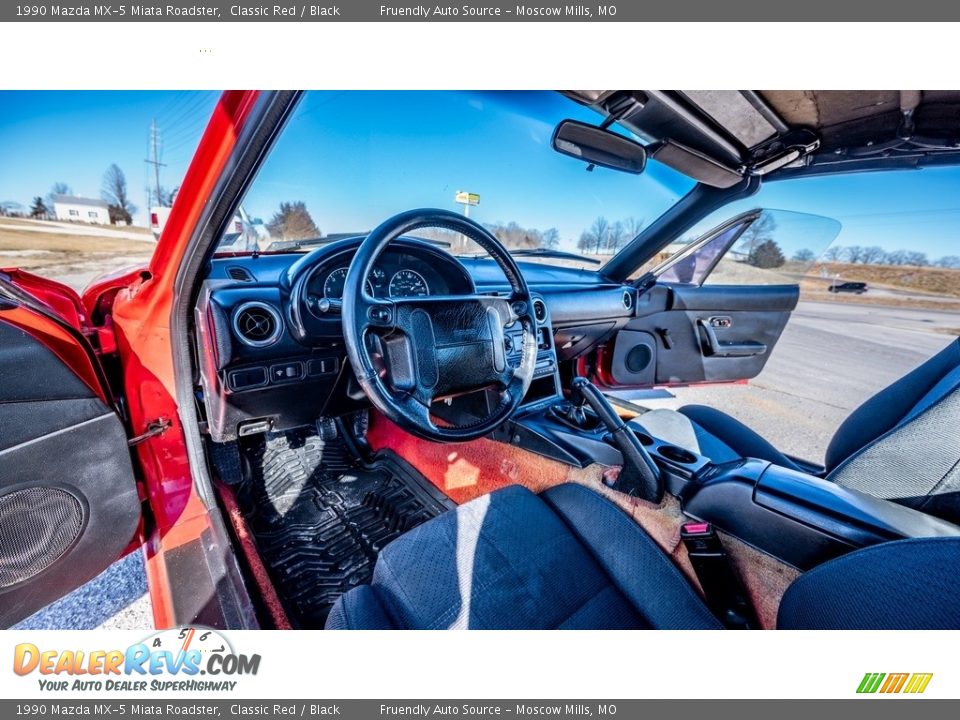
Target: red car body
pixel 128 313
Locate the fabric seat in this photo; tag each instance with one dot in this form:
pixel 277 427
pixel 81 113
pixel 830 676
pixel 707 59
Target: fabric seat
pixel 571 559
pixel 903 444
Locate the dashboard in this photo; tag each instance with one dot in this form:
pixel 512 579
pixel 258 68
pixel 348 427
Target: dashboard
pixel 270 342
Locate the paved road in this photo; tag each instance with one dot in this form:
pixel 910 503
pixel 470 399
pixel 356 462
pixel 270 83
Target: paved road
pixel 831 357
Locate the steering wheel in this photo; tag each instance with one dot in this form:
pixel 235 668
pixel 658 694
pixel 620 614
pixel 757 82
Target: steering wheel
pixel 407 352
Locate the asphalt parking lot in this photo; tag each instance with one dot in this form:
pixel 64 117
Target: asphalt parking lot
pixel 831 357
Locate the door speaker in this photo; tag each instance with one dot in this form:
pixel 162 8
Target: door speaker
pixel 37 526
pixel 639 358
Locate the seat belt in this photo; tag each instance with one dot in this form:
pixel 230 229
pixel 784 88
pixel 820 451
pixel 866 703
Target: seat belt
pixel 723 591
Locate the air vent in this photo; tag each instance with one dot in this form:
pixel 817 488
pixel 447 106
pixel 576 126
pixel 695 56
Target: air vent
pixel 539 310
pixel 257 324
pixel 240 274
pixel 627 299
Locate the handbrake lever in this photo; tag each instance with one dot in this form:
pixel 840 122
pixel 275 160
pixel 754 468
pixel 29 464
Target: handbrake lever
pixel 640 476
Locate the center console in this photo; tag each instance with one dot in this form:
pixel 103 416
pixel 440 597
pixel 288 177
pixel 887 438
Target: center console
pixel 797 518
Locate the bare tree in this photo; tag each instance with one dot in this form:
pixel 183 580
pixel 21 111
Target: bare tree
pixel 551 238
pixel 853 253
pixel 833 253
pixel 919 259
pixel 594 239
pixel 58 188
pixel 114 191
pixel 896 257
pixel 805 255
pixel 874 255
pixel 949 261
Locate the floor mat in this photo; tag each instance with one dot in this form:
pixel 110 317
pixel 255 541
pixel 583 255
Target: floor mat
pixel 320 517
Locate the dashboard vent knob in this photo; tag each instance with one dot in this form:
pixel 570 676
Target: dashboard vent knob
pixel 257 324
pixel 539 310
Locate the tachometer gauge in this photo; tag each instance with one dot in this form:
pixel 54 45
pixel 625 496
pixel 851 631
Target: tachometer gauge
pixel 407 283
pixel 333 285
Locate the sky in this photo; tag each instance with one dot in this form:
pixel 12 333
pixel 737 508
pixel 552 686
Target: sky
pixel 355 158
pixel 73 136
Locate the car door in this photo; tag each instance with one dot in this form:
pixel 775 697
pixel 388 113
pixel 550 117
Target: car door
pixel 714 310
pixel 69 503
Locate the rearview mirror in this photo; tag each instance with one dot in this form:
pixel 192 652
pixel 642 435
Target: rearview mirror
pixel 599 146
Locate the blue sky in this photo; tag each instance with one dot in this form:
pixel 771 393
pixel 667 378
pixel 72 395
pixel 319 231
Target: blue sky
pixel 357 157
pixel 72 137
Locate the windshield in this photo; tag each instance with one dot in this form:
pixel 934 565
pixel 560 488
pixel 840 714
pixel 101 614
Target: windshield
pixel 349 160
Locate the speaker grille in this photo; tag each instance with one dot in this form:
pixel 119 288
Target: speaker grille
pixel 37 525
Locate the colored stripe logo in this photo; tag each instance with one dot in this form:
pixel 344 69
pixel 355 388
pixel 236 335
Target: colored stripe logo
pixel 911 683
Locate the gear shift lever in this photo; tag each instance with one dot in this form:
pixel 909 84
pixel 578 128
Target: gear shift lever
pixel 640 475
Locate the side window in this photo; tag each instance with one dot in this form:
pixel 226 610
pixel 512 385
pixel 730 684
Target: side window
pixel 760 247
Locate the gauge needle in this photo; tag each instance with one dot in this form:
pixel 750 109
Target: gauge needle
pixel 186 641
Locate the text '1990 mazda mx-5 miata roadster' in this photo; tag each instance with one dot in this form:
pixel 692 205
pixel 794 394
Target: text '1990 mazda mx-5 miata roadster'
pixel 417 425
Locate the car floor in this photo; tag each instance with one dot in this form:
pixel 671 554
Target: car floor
pixel 319 516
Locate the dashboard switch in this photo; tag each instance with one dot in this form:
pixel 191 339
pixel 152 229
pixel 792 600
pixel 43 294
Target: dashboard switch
pixel 286 372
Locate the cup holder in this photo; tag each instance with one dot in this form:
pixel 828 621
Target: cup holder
pixel 677 454
pixel 644 439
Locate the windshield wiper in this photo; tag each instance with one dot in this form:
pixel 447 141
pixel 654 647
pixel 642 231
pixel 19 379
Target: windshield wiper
pixel 553 254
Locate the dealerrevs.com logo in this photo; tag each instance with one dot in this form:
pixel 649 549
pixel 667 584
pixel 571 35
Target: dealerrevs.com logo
pixel 169 660
pixel 892 683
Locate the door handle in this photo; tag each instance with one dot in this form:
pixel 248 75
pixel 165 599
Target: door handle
pixel 712 347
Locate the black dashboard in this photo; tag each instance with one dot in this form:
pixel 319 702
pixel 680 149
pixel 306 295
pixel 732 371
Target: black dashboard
pixel 270 344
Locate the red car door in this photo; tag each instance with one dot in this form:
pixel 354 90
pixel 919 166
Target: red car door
pixel 69 502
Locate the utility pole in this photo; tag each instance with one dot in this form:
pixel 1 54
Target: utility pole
pixel 155 161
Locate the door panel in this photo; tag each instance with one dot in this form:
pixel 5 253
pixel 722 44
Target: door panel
pixel 68 499
pixel 687 334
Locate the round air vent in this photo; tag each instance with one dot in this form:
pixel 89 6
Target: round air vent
pixel 539 310
pixel 627 299
pixel 257 324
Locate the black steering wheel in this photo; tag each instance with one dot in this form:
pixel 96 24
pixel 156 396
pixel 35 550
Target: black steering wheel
pixel 407 352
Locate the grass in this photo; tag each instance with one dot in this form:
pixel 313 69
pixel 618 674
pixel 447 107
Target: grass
pixel 54 253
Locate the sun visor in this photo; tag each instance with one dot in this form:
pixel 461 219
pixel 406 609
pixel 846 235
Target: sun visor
pixel 694 164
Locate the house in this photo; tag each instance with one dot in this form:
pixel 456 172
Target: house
pixel 81 209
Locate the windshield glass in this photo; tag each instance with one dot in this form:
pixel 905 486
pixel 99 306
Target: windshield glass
pixel 349 160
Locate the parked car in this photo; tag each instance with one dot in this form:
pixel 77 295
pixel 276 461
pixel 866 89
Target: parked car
pixel 849 287
pixel 378 433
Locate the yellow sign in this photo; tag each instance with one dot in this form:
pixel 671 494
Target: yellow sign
pixel 467 198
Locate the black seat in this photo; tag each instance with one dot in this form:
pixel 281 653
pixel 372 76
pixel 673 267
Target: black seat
pixel 571 559
pixel 903 444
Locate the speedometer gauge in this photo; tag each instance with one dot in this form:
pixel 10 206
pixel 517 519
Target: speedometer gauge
pixel 333 285
pixel 407 283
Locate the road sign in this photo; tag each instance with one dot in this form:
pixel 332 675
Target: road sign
pixel 467 198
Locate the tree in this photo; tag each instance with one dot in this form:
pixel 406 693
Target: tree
pixel 853 253
pixel 293 222
pixel 114 191
pixel 833 253
pixel 616 237
pixel 949 261
pixel 58 188
pixel 38 209
pixel 919 259
pixel 896 257
pixel 595 239
pixel 760 231
pixel 874 255
pixel 551 238
pixel 805 255
pixel 767 254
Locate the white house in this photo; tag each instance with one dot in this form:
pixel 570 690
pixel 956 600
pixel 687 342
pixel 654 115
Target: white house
pixel 81 209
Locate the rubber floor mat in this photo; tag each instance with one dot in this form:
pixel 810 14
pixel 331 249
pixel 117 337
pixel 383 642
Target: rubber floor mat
pixel 320 517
